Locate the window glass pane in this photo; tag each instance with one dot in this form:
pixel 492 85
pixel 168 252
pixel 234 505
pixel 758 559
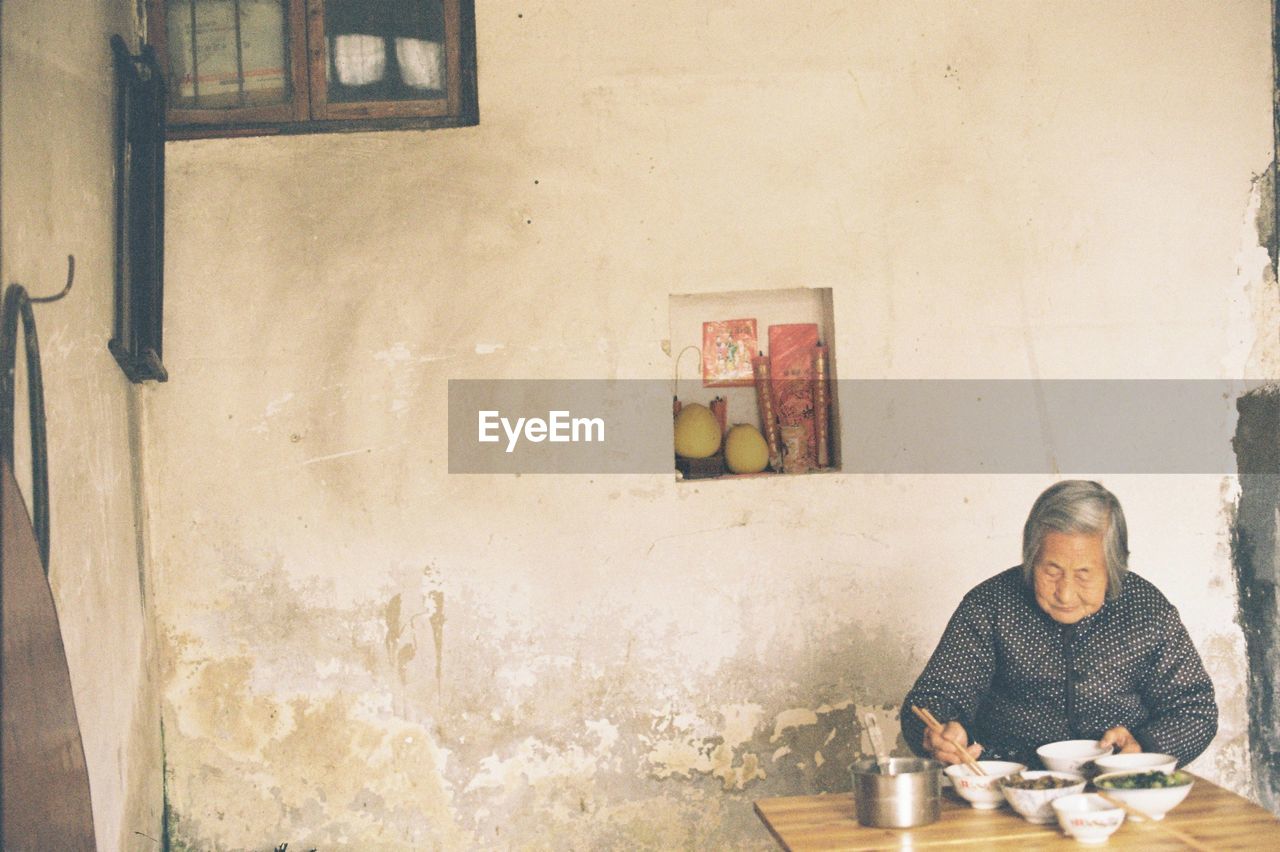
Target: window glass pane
pixel 385 50
pixel 226 53
pixel 263 36
pixel 177 20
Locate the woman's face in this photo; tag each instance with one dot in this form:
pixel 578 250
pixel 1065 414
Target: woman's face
pixel 1070 576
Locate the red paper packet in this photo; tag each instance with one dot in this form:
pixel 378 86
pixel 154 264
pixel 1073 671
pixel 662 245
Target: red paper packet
pixel 791 356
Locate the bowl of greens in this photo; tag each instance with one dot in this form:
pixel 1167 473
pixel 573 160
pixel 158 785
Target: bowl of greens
pixel 1142 761
pixel 1154 793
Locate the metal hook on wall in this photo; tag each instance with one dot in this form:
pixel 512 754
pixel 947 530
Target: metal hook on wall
pixel 18 304
pixel 71 277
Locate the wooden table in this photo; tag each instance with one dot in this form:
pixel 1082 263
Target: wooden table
pixel 1217 818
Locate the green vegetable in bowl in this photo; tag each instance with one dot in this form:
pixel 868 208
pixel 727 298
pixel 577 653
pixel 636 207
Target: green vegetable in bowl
pixel 1145 781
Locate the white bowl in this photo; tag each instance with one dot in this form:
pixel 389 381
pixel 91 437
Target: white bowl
pixel 1087 817
pixel 1154 802
pixel 1037 805
pixel 1070 755
pixel 1147 761
pixel 982 791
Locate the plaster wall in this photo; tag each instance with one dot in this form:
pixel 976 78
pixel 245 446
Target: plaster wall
pixel 56 194
pixel 362 651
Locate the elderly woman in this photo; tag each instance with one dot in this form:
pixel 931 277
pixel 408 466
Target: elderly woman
pixel 1068 645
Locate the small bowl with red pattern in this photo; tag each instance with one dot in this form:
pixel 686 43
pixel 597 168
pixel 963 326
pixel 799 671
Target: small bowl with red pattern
pixel 1088 817
pixel 982 791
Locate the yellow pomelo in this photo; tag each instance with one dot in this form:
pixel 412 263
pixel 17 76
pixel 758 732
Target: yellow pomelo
pixel 697 432
pixel 745 450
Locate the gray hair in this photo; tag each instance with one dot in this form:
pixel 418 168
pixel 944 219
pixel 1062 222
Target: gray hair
pixel 1079 506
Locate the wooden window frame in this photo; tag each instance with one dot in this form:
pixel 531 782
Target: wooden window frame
pixel 310 110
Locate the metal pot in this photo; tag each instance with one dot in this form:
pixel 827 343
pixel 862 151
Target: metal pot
pixel 907 794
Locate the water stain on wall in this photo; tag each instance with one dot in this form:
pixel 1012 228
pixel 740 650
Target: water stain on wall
pixel 347 731
pixel 327 771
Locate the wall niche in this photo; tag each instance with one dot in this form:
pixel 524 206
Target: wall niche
pixel 764 359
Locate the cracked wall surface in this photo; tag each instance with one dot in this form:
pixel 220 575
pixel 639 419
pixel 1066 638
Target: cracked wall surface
pixel 362 651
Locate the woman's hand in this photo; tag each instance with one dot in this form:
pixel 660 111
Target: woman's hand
pixel 1119 737
pixel 949 745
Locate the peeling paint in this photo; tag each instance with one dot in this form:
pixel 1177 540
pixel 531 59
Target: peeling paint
pixel 1256 558
pixel 740 723
pixel 1254 345
pixel 533 761
pixel 792 718
pixel 316 770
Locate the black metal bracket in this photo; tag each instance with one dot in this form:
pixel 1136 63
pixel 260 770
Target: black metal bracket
pixel 140 131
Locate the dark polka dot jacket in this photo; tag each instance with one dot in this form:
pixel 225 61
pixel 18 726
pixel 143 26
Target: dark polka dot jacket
pixel 1016 679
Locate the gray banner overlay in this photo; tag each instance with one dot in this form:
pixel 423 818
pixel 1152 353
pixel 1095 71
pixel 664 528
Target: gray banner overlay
pixel 900 426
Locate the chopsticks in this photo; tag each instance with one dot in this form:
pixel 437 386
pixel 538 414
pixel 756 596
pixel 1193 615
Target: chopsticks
pixel 934 725
pixel 1134 812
